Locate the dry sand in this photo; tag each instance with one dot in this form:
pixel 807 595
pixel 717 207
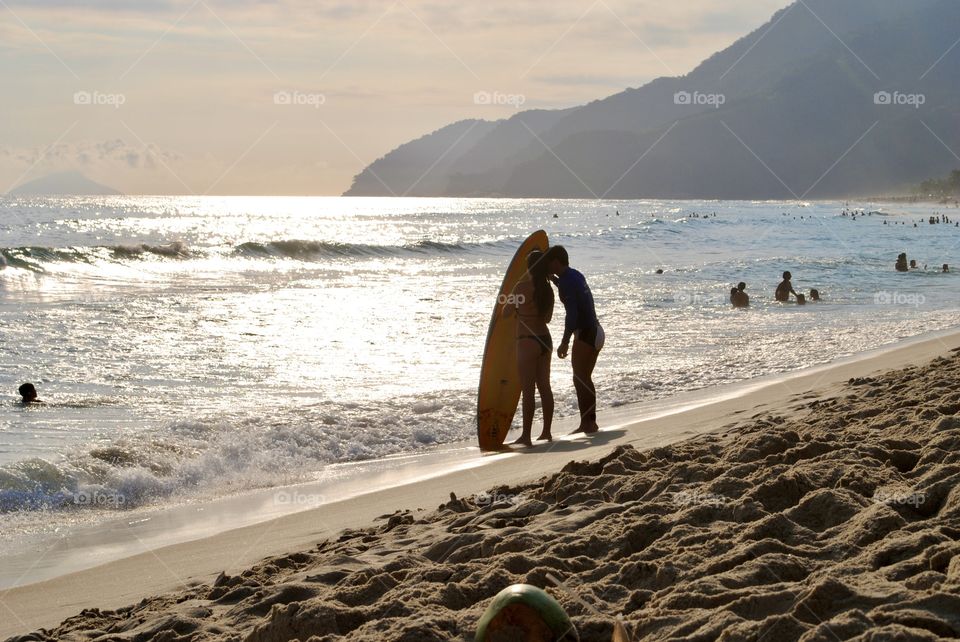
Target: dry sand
pixel 837 520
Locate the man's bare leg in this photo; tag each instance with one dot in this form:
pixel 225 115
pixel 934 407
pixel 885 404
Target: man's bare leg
pixel 546 395
pixel 583 360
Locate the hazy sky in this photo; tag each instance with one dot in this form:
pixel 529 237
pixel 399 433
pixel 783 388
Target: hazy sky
pixel 297 96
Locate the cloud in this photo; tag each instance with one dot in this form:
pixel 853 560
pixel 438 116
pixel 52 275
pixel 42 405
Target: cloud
pixel 88 153
pixel 141 6
pixel 97 159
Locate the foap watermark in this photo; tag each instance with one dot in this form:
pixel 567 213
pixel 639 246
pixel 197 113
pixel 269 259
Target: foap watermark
pixel 900 99
pixel 298 98
pixel 684 297
pixel 901 498
pixel 906 299
pixel 297 498
pixel 697 498
pixel 499 98
pixel 99 99
pixel 99 498
pixel 699 98
pixel 511 299
pixel 487 499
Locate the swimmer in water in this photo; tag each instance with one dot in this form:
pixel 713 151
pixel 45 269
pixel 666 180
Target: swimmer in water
pixel 738 296
pixel 785 289
pixel 29 393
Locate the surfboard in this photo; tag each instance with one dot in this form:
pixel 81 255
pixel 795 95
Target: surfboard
pixel 499 391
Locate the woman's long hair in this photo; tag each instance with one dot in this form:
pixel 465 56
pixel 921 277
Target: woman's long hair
pixel 542 291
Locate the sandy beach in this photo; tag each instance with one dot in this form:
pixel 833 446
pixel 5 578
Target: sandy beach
pixel 822 506
pixel 290 292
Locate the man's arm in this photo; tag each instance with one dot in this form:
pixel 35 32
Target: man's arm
pixel 571 304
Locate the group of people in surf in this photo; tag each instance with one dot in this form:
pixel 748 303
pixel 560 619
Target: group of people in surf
pixel 532 304
pixel 902 266
pixel 740 299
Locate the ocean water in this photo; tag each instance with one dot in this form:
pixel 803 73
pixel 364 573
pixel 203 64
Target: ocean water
pixel 193 347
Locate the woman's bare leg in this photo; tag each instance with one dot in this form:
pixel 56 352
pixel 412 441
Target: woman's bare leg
pixel 546 395
pixel 528 351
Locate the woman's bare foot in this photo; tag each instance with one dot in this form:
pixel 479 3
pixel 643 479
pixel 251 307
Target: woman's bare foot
pixel 545 436
pixel 523 441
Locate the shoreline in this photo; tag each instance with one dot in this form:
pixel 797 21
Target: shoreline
pixel 176 567
pixel 125 535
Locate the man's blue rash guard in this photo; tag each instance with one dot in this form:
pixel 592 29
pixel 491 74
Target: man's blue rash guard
pixel 577 301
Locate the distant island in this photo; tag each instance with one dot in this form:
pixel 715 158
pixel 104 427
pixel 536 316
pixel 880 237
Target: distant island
pixel 68 183
pixel 828 99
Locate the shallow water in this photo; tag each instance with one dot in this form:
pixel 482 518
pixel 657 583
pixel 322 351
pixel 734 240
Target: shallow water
pixel 192 347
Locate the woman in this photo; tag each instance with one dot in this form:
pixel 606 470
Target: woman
pixel 532 303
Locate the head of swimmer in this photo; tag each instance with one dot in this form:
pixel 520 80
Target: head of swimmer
pixel 29 393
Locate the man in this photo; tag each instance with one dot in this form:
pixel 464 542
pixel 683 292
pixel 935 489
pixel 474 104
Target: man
pixel 785 289
pixel 581 323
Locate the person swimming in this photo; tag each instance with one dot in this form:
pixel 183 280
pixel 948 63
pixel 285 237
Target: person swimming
pixel 29 393
pixel 901 265
pixel 814 294
pixel 738 296
pixel 785 289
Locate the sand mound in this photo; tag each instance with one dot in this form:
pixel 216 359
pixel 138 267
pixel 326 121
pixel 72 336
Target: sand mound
pixel 842 523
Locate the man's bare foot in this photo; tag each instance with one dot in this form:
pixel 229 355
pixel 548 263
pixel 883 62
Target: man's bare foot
pixel 523 441
pixel 577 431
pixel 591 429
pixel 545 436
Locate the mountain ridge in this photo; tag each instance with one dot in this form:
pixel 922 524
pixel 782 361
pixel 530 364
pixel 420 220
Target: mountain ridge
pixel 796 97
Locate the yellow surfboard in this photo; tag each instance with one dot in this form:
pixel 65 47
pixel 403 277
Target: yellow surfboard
pixel 499 379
